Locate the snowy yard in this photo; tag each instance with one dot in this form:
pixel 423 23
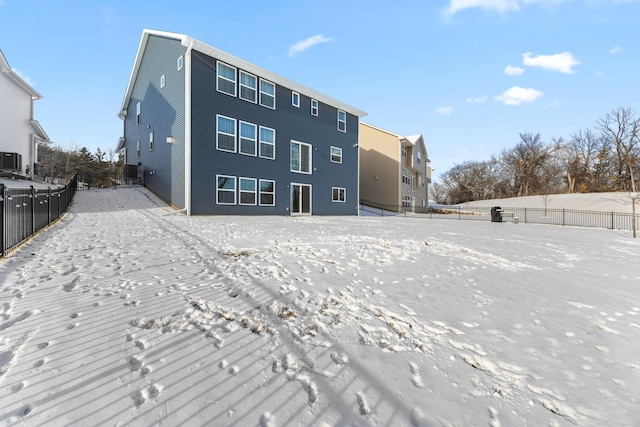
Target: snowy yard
pixel 126 314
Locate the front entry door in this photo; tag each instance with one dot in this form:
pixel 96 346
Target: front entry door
pixel 300 199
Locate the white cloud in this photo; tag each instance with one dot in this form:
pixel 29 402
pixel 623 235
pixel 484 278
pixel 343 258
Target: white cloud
pixel 479 100
pixel 303 45
pixel 513 71
pixel 616 49
pixel 444 111
pixel 518 95
pixel 563 62
pixel 456 6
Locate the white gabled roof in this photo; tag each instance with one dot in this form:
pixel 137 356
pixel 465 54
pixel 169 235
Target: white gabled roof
pixel 40 133
pixel 231 60
pixel 6 69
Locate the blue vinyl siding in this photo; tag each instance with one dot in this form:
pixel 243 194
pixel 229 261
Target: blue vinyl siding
pixel 163 113
pixel 290 123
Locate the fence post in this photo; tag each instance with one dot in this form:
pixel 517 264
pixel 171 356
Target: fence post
pixel 49 207
pixel 2 218
pixel 612 223
pixel 563 222
pixel 32 196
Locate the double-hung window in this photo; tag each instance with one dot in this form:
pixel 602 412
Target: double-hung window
pixel 342 121
pixel 336 155
pixel 247 191
pixel 295 99
pixel 314 107
pixel 300 157
pixel 226 79
pixel 150 141
pixel 267 143
pixel 404 151
pixel 248 87
pixel 267 94
pixel 226 134
pixel 225 190
pixel 247 138
pixel 267 192
pixel 339 194
pixel 138 117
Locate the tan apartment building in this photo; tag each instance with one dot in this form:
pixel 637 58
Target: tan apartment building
pixel 394 169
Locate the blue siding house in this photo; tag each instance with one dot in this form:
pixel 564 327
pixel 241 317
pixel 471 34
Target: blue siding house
pixel 213 134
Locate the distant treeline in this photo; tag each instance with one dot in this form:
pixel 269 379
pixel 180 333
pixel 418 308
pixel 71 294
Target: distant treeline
pixel 57 164
pixel 603 158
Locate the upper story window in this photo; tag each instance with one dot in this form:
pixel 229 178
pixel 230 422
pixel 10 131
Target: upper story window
pixel 406 176
pixel 267 94
pixel 404 151
pixel 180 62
pixel 267 143
pixel 342 121
pixel 138 149
pixel 163 80
pixel 336 155
pixel 138 113
pixel 314 107
pixel 150 141
pixel 300 157
pixel 418 157
pixel 226 134
pixel 226 79
pixel 248 87
pixel 295 99
pixel 248 138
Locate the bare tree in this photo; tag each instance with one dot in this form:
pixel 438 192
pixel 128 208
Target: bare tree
pixel 529 164
pixel 622 128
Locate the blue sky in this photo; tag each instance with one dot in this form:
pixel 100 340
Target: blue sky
pixel 469 75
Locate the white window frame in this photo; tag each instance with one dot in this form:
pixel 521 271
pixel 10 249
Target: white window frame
pixel 254 88
pixel 218 189
pixel 138 113
pixel 235 134
pixel 163 81
pixel 272 193
pixel 219 65
pixel 342 121
pixel 406 176
pixel 268 94
pixel 404 151
pixel 314 107
pixel 341 195
pixel 150 141
pixel 295 99
pixel 261 142
pixel 254 139
pixel 180 62
pixel 241 191
pixel 338 154
pixel 300 144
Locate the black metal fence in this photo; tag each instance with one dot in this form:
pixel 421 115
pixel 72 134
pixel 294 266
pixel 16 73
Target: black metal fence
pixel 566 217
pixel 109 180
pixel 25 211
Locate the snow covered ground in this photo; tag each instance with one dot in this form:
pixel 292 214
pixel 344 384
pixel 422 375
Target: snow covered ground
pixel 126 314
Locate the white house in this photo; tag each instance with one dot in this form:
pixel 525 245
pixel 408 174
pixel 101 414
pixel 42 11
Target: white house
pixel 19 132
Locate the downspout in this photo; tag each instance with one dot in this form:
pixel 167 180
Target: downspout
pixel 358 179
pixel 187 130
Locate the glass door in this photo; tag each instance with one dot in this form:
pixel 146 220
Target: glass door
pixel 300 199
